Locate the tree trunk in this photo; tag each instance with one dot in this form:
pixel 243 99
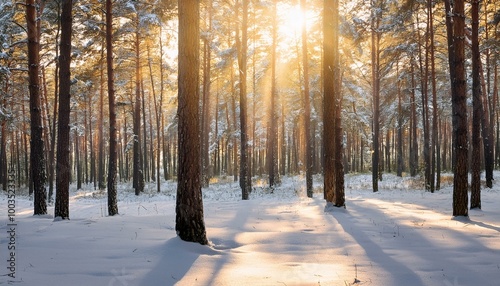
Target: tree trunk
pixel 144 152
pixel 308 160
pixel 375 38
pixel 456 42
pixel 477 107
pixel 138 182
pixel 157 106
pixel 435 119
pixel 37 157
pixel 245 171
pixel 54 117
pixel 190 225
pixel 272 153
pixel 112 192
pixel 100 179
pixel 400 161
pixel 414 139
pixel 205 115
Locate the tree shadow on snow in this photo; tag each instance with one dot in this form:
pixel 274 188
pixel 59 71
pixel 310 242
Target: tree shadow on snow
pixel 374 252
pixel 177 259
pixel 423 249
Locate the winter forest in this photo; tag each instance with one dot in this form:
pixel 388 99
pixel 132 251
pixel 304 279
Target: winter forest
pixel 337 142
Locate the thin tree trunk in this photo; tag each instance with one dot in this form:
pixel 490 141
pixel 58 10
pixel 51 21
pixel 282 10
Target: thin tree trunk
pixel 112 192
pixel 308 160
pixel 414 139
pixel 245 171
pixel 400 161
pixel 205 115
pixel 272 153
pixel 100 179
pixel 54 116
pixel 157 106
pixel 138 183
pixel 477 106
pixel 37 158
pixel 435 119
pixel 144 151
pixel 375 37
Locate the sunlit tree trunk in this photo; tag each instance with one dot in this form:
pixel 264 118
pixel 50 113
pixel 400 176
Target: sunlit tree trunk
pixel 272 147
pixel 245 171
pixel 205 115
pixel 308 160
pixel 400 161
pixel 52 151
pixel 144 152
pixel 190 225
pixel 375 38
pixel 138 182
pixel 424 76
pixel 157 106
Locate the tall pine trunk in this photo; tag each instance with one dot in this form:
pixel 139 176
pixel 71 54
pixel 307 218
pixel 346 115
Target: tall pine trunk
pixel 307 108
pixel 138 181
pixel 456 42
pixel 375 38
pixel 205 115
pixel 37 156
pixel 272 147
pixel 245 171
pixel 339 199
pixel 435 120
pixel 112 168
pixel 63 166
pixel 190 225
pixel 477 106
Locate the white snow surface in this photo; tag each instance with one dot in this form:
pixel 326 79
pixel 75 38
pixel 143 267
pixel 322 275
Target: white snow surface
pixel 401 235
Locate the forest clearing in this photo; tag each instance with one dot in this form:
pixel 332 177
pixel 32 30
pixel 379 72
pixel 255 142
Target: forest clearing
pixel 401 235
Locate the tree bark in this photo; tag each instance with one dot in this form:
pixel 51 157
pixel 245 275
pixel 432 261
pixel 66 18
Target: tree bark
pixel 272 148
pixel 435 118
pixel 112 168
pixel 37 157
pixel 308 160
pixel 245 171
pixel 477 109
pixel 205 115
pixel 375 38
pixel 138 182
pixel 190 225
pixel 456 42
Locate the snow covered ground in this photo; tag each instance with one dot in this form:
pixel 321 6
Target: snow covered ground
pixel 401 235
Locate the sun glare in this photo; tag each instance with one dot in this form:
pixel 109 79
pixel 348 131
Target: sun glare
pixel 292 18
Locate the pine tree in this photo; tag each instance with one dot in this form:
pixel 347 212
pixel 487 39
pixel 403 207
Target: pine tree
pixel 37 155
pixel 112 192
pixel 190 225
pixel 63 166
pixel 456 41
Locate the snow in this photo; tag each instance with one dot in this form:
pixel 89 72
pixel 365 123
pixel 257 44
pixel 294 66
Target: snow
pixel 401 235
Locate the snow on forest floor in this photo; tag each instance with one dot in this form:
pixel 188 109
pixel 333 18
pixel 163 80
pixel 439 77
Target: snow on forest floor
pixel 401 235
